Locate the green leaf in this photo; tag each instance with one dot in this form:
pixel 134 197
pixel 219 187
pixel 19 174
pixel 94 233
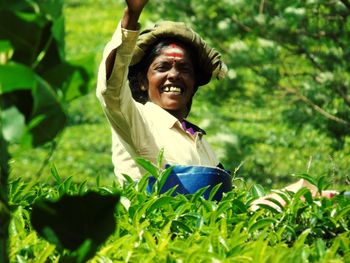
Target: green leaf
pixel 341 213
pixel 13 124
pixel 163 177
pixel 148 166
pixel 70 79
pixel 178 226
pixel 213 191
pixel 303 192
pixel 199 193
pixel 47 105
pixel 258 190
pixel 82 188
pixel 262 223
pixel 160 202
pixel 239 205
pixel 55 174
pixel 269 207
pixel 322 183
pixel 64 187
pixel 142 183
pixel 307 177
pixel 300 242
pixel 160 158
pixel 52 9
pixel 6 52
pixel 276 202
pixel 128 178
pixel 10 80
pixel 25 36
pixel 283 194
pixel 223 206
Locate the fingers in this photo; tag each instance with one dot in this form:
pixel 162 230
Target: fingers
pixel 329 193
pixel 132 13
pixel 264 200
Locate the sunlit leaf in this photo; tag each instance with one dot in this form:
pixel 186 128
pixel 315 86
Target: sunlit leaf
pixel 258 190
pixel 9 80
pixel 307 177
pixel 148 166
pixel 160 202
pixel 163 177
pixel 13 124
pixel 262 223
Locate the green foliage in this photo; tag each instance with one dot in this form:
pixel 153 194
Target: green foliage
pixel 35 78
pixel 35 82
pixel 263 119
pixel 159 228
pixel 297 47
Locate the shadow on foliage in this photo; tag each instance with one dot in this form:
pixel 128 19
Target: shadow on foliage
pixel 77 223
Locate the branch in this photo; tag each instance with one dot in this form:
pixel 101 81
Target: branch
pixel 261 7
pixel 343 94
pixel 314 106
pixel 245 28
pixel 52 150
pixel 310 57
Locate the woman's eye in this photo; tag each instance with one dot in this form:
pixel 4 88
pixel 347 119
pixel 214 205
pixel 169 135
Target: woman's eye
pixel 186 69
pixel 162 67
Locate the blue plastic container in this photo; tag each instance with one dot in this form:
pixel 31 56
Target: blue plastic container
pixel 189 179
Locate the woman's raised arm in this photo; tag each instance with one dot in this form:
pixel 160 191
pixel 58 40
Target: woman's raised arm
pixel 132 13
pixel 130 22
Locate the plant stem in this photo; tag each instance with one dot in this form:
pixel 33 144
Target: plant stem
pixel 4 210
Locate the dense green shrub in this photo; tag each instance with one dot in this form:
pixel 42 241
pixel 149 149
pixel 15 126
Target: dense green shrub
pixel 155 228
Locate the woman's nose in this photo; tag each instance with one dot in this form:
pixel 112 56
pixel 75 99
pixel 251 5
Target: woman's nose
pixel 173 73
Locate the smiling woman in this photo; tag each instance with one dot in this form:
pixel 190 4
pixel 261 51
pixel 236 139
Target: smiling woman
pixel 146 84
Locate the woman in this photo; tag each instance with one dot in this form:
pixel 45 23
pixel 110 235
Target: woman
pixel 146 84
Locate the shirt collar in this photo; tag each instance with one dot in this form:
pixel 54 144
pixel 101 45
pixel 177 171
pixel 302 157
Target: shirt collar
pixel 160 114
pixel 190 126
pixel 169 120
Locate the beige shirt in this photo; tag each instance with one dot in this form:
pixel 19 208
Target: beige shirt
pixel 142 130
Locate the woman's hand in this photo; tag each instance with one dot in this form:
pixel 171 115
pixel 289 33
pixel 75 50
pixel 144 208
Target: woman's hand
pixel 291 188
pixel 136 6
pixel 132 13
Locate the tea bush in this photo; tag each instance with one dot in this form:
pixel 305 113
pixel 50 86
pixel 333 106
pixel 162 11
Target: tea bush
pixel 188 228
pixel 256 126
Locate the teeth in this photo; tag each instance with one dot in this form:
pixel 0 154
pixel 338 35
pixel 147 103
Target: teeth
pixel 172 89
pixel 175 89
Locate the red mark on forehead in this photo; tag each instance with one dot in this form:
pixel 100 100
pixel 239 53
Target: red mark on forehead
pixel 173 51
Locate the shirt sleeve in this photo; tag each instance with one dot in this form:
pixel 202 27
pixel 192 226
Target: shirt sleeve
pixel 114 93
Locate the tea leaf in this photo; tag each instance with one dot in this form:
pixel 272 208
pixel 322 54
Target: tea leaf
pixel 307 177
pixel 148 166
pixel 258 191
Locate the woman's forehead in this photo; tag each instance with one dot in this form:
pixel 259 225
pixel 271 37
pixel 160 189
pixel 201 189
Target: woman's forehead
pixel 174 50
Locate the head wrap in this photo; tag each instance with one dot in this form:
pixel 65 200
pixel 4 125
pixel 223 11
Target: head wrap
pixel 209 60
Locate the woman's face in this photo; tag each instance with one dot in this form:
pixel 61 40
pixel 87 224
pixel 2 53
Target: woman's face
pixel 171 80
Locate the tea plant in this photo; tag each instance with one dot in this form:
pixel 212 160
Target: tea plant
pixel 187 228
